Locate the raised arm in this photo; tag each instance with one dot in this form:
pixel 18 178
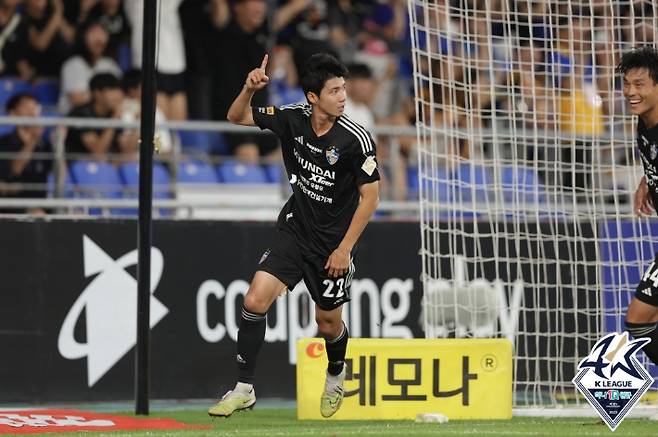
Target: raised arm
pixel 240 110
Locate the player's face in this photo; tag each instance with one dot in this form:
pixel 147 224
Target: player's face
pixel 640 91
pixel 332 97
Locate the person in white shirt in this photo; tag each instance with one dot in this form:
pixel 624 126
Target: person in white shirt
pixel 79 69
pixel 361 90
pixel 131 111
pixel 170 50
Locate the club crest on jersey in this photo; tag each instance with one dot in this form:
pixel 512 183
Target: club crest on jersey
pixel 653 151
pixel 612 379
pixel 332 155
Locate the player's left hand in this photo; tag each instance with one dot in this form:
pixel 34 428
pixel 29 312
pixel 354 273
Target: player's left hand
pixel 338 263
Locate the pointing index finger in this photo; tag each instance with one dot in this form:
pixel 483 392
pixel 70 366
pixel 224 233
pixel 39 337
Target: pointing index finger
pixel 264 63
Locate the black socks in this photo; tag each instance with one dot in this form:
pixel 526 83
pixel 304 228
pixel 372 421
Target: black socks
pixel 250 339
pixel 646 330
pixel 336 349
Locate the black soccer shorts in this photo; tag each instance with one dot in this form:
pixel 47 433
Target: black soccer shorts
pixel 647 289
pixel 290 263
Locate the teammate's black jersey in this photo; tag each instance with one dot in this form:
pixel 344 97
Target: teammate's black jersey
pixel 324 172
pixel 647 142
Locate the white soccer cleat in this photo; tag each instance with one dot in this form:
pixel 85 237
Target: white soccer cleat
pixel 234 400
pixel 332 396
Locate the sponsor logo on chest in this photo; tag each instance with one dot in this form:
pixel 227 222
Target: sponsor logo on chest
pixel 314 168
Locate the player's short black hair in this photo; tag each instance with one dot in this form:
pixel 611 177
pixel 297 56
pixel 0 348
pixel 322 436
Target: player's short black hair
pixel 642 57
pixel 320 68
pixel 16 100
pixel 104 81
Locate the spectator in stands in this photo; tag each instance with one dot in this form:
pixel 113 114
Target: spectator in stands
pixel 311 33
pixel 360 95
pixel 580 106
pixel 345 18
pixel 241 35
pixel 130 112
pixel 77 12
pixel 284 87
pixel 380 44
pixel 110 14
pixel 170 62
pixel 106 102
pixel 13 40
pixel 26 172
pixel 50 36
pixel 197 19
pixel 90 60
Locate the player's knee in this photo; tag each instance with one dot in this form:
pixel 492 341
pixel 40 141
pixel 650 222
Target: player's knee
pixel 255 303
pixel 328 328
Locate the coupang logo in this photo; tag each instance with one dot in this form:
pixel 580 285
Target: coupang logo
pixel 315 349
pixel 110 305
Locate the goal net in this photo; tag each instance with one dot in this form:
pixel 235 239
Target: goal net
pixel 527 169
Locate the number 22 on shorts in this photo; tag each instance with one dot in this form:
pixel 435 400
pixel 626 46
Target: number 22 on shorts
pixel 328 292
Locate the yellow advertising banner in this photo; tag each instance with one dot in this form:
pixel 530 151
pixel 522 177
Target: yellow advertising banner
pixel 400 378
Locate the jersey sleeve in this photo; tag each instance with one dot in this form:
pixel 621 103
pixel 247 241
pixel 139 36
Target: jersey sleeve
pixel 270 117
pixel 365 165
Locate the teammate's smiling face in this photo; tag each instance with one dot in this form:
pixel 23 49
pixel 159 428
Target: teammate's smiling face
pixel 332 97
pixel 640 90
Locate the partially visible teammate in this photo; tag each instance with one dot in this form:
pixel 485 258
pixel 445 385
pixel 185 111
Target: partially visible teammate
pixel 331 165
pixel 639 69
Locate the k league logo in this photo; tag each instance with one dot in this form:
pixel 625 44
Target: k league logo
pixel 110 305
pixel 612 379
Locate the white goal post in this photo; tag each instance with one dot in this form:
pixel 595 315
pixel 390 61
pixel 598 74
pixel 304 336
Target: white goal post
pixel 527 168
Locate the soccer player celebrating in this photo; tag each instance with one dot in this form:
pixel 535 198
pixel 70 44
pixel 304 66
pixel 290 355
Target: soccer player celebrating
pixel 639 68
pixel 331 165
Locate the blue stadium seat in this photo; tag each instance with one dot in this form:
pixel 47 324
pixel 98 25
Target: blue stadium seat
pixel 413 186
pixel 124 57
pixel 218 143
pixel 10 86
pixel 523 184
pixel 196 172
pixel 6 129
pixel 95 180
pixel 46 91
pixel 444 184
pixel 129 173
pixel 68 185
pixel 475 182
pixel 235 172
pixel 207 142
pixel 274 173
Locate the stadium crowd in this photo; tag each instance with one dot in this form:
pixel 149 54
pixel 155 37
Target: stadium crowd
pixel 82 58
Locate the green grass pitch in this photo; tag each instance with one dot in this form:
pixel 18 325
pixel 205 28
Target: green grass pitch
pixel 282 422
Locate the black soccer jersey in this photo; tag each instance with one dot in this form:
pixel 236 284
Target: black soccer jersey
pixel 324 173
pixel 647 142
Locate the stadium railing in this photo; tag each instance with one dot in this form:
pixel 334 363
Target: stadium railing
pixel 177 197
